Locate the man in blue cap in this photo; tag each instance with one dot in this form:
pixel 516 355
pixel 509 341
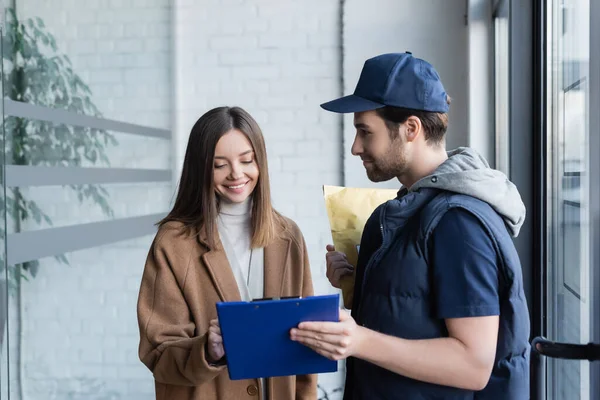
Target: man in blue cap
pixel 438 309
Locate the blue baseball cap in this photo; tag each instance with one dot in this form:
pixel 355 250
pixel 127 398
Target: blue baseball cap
pixel 397 80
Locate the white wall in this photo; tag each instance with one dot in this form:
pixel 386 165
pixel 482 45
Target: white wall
pixel 432 30
pixel 481 78
pixel 279 61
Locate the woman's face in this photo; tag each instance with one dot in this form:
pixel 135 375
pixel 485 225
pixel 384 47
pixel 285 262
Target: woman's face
pixel 235 171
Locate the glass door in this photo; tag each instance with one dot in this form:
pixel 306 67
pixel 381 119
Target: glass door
pixel 571 238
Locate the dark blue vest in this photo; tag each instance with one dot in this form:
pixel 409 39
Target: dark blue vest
pixel 393 296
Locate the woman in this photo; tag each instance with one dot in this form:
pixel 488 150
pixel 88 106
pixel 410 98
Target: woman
pixel 222 241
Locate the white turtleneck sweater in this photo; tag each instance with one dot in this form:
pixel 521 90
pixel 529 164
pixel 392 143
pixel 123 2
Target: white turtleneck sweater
pixel 247 264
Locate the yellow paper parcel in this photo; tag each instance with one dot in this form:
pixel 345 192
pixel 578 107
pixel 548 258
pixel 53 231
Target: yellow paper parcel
pixel 348 210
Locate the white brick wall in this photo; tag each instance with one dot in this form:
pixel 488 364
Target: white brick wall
pixel 278 59
pixel 121 48
pixel 433 30
pixel 280 78
pixel 79 326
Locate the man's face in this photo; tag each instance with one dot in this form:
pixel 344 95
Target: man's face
pixel 383 156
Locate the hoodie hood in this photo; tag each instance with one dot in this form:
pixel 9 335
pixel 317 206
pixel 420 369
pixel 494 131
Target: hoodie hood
pixel 467 172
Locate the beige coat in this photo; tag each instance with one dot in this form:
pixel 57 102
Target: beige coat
pixel 183 279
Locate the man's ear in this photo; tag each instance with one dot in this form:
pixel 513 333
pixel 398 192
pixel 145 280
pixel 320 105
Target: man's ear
pixel 413 128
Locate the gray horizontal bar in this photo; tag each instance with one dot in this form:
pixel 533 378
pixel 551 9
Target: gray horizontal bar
pixel 33 245
pixel 26 175
pixel 57 116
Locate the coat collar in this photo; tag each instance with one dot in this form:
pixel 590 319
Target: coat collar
pixel 275 266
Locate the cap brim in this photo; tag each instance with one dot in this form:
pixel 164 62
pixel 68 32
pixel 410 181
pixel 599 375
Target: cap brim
pixel 351 104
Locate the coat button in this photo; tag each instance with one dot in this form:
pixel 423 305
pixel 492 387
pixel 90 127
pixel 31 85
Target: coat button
pixel 252 390
pixel 434 179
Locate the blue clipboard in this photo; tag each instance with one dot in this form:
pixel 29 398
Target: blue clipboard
pixel 256 336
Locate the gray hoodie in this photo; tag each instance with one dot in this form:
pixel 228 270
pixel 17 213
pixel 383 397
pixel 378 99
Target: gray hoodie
pixel 467 172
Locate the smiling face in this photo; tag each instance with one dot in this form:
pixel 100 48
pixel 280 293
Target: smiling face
pixel 235 171
pixel 383 154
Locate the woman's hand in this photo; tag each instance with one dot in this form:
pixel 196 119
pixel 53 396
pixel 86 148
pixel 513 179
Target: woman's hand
pixel 214 347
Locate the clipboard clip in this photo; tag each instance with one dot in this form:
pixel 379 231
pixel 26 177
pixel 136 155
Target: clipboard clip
pixel 276 298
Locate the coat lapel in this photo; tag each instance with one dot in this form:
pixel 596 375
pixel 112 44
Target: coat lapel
pixel 275 268
pixel 276 264
pixel 218 266
pixel 220 271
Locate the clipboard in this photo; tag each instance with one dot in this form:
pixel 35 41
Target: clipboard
pixel 256 336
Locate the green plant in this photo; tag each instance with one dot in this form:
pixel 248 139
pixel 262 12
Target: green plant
pixel 34 71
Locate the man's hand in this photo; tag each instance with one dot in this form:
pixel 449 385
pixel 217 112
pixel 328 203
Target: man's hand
pixel 337 266
pixel 214 346
pixel 334 340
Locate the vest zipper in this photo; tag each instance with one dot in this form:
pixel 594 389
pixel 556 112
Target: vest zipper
pixel 374 259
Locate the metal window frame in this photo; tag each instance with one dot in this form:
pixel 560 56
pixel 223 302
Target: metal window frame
pixel 522 126
pixel 539 237
pixel 594 149
pixel 528 160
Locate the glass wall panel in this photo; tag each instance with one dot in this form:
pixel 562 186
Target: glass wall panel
pixel 87 148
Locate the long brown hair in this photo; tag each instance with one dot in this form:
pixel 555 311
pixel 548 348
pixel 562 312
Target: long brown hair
pixel 196 205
